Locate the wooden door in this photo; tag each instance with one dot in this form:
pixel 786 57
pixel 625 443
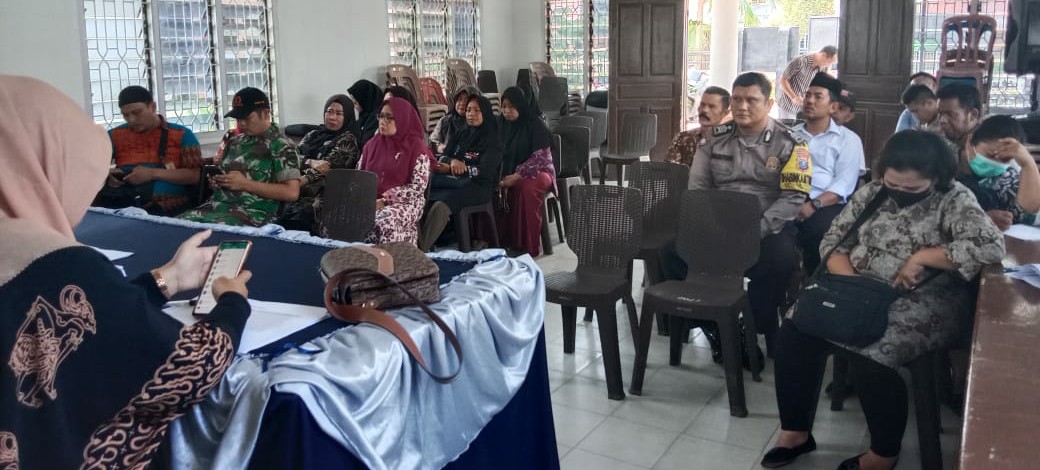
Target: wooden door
pixel 874 62
pixel 647 66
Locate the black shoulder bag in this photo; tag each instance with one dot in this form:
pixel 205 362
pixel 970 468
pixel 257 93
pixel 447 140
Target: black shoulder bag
pixel 849 310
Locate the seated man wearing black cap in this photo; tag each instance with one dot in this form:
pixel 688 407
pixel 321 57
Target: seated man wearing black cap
pixel 837 158
pixel 155 161
pixel 259 169
pixel 846 107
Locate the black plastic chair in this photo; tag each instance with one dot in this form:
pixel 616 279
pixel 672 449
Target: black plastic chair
pixel 553 206
pixel 605 231
pixel 718 238
pixel 462 226
pixel 552 96
pixel 638 136
pixel 486 81
pixel 348 211
pixel 574 158
pixel 599 137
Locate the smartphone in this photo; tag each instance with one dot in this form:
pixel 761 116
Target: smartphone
pixel 230 257
pixel 213 170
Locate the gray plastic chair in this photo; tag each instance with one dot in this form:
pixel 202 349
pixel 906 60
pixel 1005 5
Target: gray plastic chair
pixel 638 136
pixel 553 206
pixel 605 231
pixel 600 124
pixel 718 238
pixel 552 95
pixel 348 209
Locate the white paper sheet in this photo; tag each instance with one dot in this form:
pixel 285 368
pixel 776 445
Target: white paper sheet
pixel 269 321
pixel 1027 272
pixel 113 255
pixel 1023 232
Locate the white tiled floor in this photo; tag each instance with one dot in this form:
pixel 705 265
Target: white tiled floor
pixel 682 419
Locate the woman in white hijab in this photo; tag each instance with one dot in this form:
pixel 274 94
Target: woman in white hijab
pixel 93 370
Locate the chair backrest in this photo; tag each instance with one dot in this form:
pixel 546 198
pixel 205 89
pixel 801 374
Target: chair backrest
pixel 349 209
pixel 552 94
pixel 968 40
pixel 638 134
pixel 580 121
pixel 605 227
pixel 432 92
pixel 487 81
pixel 662 185
pixel 460 73
pixel 541 70
pixel 718 232
pixel 575 151
pixel 556 149
pixel 526 81
pixel 403 75
pixel 599 126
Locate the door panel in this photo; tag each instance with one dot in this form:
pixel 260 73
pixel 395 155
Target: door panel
pixel 647 66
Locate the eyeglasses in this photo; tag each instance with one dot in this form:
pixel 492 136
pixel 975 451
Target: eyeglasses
pixel 385 117
pixel 333 111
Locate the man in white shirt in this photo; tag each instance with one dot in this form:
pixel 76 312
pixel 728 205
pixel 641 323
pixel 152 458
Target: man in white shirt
pixel 837 159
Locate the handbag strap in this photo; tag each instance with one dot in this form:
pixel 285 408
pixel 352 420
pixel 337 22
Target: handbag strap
pixel 365 314
pixel 868 211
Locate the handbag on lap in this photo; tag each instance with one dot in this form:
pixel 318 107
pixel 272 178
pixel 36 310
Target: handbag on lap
pixel 363 281
pixel 849 310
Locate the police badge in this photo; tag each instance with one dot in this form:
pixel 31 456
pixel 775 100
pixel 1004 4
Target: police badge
pixel 773 163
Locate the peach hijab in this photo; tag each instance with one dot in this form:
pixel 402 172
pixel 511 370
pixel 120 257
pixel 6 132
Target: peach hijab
pixel 55 160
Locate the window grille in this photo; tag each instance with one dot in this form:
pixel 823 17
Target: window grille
pixel 425 33
pixel 578 42
pixel 193 54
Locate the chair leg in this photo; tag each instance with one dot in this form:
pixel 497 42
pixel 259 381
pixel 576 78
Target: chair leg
pixel 751 341
pixel 839 381
pixel 602 172
pixel 559 220
pixel 674 341
pixel 663 324
pixel 633 319
pixel 922 372
pixel 620 174
pixel 588 314
pixel 642 348
pixel 608 341
pixel 494 229
pixel 731 361
pixel 570 320
pixel 462 232
pixel 546 240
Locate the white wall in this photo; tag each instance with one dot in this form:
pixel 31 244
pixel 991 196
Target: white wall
pixel 321 46
pixel 44 39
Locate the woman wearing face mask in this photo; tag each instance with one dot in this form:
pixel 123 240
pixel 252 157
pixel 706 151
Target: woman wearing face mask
pixel 927 223
pixel 1002 174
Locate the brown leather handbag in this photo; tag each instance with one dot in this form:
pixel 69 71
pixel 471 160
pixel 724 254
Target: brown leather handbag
pixel 363 280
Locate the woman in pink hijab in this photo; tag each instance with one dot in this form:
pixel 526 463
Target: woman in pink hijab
pixel 398 155
pixel 93 370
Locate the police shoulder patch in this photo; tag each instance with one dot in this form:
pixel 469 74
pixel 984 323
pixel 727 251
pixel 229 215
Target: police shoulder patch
pixel 722 129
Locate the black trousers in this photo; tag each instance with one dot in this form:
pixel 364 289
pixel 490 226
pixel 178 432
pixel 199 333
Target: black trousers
pixel 769 277
pixel 810 234
pixel 800 363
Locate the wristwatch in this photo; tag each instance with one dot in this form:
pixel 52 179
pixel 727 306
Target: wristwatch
pixel 817 204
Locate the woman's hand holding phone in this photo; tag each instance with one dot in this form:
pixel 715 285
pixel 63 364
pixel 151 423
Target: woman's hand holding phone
pixel 236 284
pixel 190 265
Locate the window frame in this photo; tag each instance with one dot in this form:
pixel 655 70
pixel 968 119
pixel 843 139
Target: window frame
pixel 420 52
pixel 588 14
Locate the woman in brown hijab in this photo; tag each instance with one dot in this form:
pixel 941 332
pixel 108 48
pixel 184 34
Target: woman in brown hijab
pixel 94 370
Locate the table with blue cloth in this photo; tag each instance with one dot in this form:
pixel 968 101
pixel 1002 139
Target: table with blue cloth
pixel 336 395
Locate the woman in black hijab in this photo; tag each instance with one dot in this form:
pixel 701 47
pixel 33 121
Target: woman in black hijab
pixel 334 144
pixel 369 100
pixel 455 121
pixel 527 172
pixel 467 173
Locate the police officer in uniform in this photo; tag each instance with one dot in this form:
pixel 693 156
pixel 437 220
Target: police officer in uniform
pixel 757 155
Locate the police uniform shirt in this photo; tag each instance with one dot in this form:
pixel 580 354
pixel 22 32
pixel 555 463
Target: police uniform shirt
pixel 837 160
pixel 773 165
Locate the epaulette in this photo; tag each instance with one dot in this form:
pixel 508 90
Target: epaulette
pixel 722 129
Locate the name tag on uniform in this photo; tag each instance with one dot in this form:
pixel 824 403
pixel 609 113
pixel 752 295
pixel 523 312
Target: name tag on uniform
pixel 727 158
pixel 797 172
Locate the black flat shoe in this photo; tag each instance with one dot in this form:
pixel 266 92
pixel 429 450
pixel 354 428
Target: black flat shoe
pixel 853 464
pixel 780 456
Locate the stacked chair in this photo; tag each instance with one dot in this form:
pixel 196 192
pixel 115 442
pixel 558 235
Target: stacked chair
pixel 460 74
pixel 552 97
pixel 403 75
pixel 967 52
pixel 432 92
pixel 718 238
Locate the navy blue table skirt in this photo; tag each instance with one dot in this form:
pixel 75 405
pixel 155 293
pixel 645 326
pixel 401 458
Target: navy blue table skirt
pixel 521 436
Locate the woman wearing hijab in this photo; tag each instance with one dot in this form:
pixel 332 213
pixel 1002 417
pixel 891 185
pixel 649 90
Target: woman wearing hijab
pixel 94 372
pixel 332 145
pixel 455 121
pixel 400 159
pixel 398 91
pixel 528 172
pixel 468 173
pixel 368 99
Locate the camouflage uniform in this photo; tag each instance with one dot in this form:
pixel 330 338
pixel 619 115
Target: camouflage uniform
pixel 270 158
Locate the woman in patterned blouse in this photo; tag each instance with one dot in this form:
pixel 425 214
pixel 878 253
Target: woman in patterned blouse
pixel 927 223
pixel 94 372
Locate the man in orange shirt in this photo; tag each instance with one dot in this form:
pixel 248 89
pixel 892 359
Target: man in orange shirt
pixel 156 163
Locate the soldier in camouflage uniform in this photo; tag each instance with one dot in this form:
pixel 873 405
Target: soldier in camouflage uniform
pixel 261 168
pixel 757 155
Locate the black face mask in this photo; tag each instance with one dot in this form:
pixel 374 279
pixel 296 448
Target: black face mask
pixel 904 199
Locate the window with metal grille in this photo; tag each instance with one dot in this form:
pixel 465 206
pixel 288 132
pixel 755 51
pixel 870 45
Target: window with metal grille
pixel 1008 93
pixel 577 46
pixel 425 33
pixel 193 54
